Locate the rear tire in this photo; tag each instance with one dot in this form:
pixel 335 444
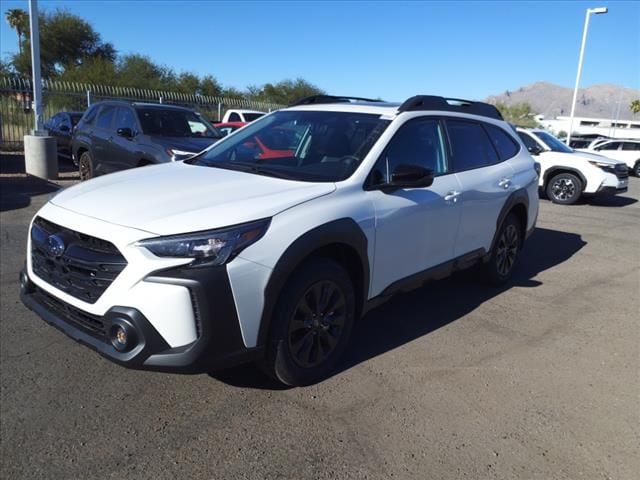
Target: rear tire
pixel 85 167
pixel 564 189
pixel 499 268
pixel 636 169
pixel 311 323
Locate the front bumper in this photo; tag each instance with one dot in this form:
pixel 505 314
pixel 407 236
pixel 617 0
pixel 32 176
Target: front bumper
pixel 218 345
pixel 607 191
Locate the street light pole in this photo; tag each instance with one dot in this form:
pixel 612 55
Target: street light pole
pixel 35 64
pixel 597 11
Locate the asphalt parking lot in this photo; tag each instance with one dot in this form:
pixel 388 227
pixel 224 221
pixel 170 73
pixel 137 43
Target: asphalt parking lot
pixel 537 380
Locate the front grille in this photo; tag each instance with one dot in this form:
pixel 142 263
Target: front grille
pixel 85 266
pixel 91 324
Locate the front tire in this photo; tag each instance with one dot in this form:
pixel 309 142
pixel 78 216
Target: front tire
pixel 85 167
pixel 499 269
pixel 311 324
pixel 564 189
pixel 636 169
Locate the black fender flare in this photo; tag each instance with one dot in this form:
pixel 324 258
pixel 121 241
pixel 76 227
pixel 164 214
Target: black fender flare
pixel 549 174
pixel 345 231
pixel 518 197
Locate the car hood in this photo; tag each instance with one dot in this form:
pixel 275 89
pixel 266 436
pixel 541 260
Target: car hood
pixel 187 144
pixel 585 155
pixel 176 197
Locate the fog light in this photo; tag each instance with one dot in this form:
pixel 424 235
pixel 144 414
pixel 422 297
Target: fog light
pixel 122 335
pixel 25 284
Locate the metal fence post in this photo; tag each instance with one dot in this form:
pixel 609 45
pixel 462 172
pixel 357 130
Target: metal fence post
pixel 219 111
pixel 88 98
pixel 160 99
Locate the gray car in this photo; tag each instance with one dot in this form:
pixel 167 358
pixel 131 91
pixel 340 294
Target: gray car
pixel 116 135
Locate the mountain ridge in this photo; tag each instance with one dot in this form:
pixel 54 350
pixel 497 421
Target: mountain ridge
pixel 551 100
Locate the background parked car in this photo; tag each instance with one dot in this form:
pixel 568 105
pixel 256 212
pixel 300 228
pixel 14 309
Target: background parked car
pixel 566 175
pixel 238 115
pixel 116 135
pixel 627 151
pixel 61 126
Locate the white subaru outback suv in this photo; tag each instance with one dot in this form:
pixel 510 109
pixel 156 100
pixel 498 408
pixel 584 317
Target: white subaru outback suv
pixel 566 175
pixel 269 245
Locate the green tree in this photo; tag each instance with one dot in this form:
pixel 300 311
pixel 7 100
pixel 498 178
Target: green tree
pixel 66 41
pixel 139 71
pixel 18 20
pixel 283 92
pixel 210 86
pixel 635 106
pixel 518 114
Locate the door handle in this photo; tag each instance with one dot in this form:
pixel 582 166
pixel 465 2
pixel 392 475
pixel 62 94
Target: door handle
pixel 452 196
pixel 504 183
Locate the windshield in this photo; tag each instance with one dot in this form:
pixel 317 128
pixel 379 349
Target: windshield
pixel 299 145
pixel 175 123
pixel 553 143
pixel 250 117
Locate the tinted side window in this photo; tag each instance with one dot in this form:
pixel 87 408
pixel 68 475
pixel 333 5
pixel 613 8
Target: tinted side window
pixel 105 117
pixel 609 146
pixel 417 142
pixel 502 141
pixel 630 146
pixel 125 119
pixel 90 116
pixel 470 145
pixel 527 140
pixel 64 120
pixel 234 117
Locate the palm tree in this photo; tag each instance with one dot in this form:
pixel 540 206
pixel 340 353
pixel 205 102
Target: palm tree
pixel 635 106
pixel 18 20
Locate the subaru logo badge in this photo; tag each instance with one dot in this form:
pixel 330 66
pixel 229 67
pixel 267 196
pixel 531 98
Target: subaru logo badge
pixel 55 245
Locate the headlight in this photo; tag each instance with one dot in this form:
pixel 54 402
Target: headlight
pixel 213 247
pixel 607 167
pixel 176 154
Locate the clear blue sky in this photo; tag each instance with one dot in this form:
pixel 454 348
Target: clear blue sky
pixel 387 49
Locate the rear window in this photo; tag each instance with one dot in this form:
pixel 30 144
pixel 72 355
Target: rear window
pixel 470 145
pixel 502 141
pixel 75 118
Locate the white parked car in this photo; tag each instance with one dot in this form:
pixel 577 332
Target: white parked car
pixel 241 115
pixel 627 151
pixel 232 257
pixel 567 175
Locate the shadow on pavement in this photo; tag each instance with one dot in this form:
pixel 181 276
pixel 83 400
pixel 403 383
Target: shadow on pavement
pixel 411 315
pixel 616 201
pixel 16 191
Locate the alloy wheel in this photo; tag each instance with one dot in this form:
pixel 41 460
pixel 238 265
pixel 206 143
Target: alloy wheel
pixel 507 250
pixel 317 323
pixel 563 189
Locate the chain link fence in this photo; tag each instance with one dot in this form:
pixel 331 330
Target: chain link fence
pixel 17 116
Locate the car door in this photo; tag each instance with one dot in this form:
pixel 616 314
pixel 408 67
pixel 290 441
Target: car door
pixel 485 181
pixel 123 150
pixel 415 227
pixel 103 131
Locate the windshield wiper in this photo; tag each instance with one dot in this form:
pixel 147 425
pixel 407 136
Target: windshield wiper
pixel 251 168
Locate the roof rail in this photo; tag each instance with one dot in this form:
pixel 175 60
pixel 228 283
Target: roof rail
pixel 314 99
pixel 432 102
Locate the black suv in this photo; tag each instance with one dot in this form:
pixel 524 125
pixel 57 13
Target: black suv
pixel 116 135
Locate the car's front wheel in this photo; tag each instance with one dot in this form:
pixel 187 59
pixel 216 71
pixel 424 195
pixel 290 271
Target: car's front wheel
pixel 311 324
pixel 636 169
pixel 85 166
pixel 564 189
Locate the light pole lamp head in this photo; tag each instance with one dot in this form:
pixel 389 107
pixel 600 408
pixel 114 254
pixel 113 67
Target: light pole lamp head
pixel 598 10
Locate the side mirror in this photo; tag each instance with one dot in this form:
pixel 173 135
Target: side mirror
pixel 409 176
pixel 64 128
pixel 124 132
pixel 535 150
